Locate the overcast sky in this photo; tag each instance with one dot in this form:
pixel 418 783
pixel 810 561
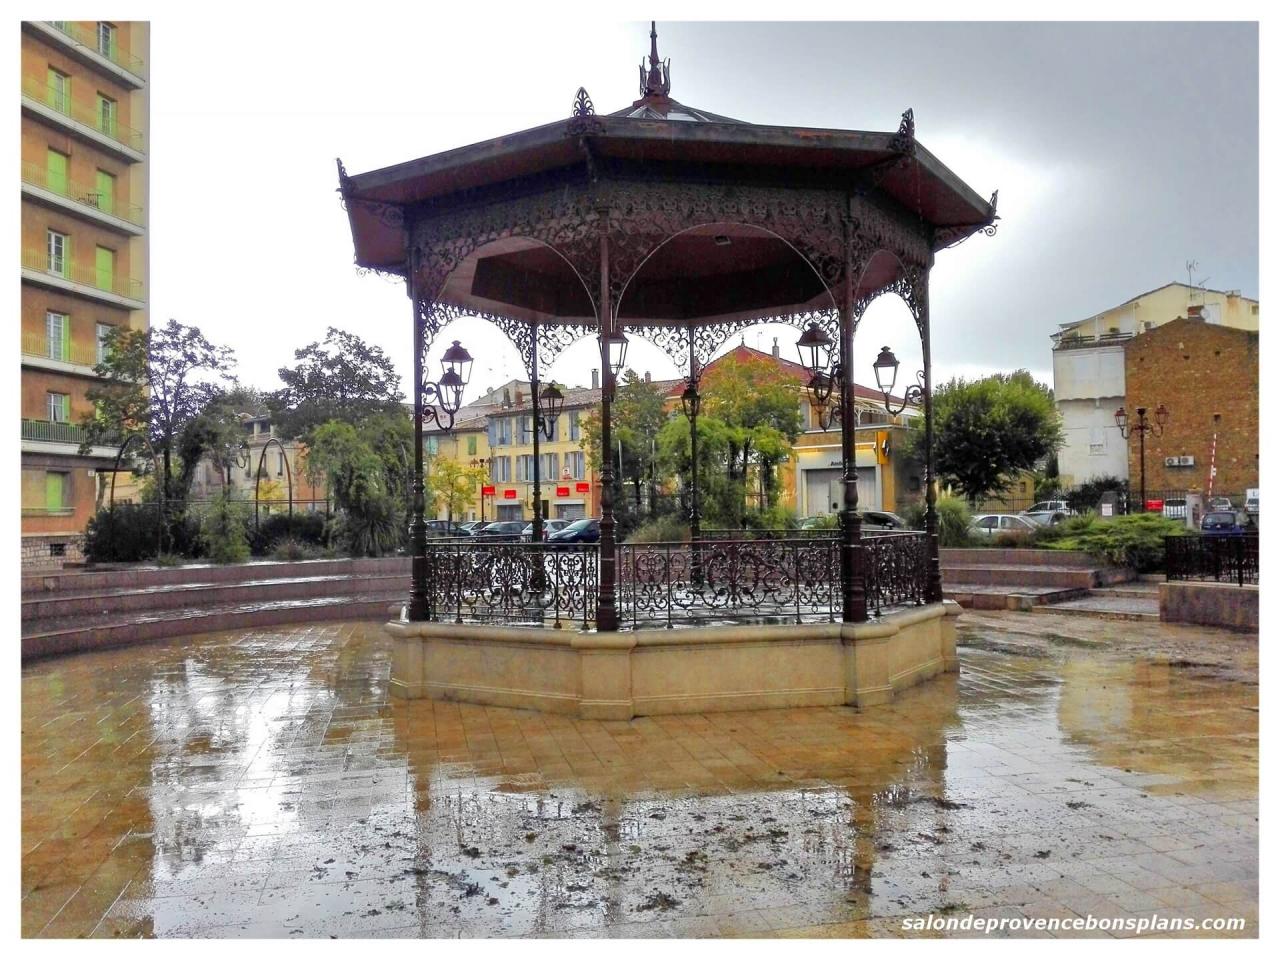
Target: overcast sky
pixel 1120 151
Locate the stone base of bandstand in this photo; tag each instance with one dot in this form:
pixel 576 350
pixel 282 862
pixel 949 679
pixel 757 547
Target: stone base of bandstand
pixel 704 669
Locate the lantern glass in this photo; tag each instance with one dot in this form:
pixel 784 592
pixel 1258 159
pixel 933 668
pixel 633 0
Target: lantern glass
pixel 690 401
pixel 615 351
pixel 458 361
pixel 814 347
pixel 821 386
pixel 551 402
pixel 1122 419
pixel 1162 416
pixel 451 386
pixel 886 368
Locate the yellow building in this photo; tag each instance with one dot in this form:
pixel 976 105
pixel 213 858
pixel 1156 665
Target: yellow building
pixel 84 254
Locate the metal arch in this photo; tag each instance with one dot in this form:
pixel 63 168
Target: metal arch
pixel 257 479
pixel 111 502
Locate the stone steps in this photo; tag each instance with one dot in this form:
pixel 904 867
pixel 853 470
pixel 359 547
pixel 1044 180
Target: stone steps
pixel 1034 576
pixel 73 635
pixel 985 596
pixel 1104 607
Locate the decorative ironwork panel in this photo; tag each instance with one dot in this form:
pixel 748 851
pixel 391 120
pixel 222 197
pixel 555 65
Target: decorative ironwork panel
pixel 896 567
pixel 1223 559
pixel 516 583
pixel 552 339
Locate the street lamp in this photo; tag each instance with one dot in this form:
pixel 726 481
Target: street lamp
pixel 691 402
pixel 886 370
pixel 547 410
pixel 483 464
pixel 1142 427
pixel 445 394
pixel 825 373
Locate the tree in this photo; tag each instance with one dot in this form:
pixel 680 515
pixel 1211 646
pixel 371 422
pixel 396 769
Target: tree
pixel 341 378
pixel 161 384
pixel 369 518
pixel 451 485
pixel 987 430
pixel 638 415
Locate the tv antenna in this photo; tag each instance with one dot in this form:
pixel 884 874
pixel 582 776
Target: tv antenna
pixel 1192 266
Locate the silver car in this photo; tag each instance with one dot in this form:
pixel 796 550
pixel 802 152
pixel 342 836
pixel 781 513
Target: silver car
pixel 992 524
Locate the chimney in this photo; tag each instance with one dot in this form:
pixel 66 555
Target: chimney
pixel 595 379
pixel 519 396
pixel 1195 312
pixel 776 355
pixel 506 396
pixel 647 378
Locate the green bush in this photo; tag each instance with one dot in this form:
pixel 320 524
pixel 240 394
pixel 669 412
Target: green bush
pixel 1135 541
pixel 130 533
pixel 292 551
pixel 223 530
pixel 302 528
pixel 954 521
pixel 773 518
pixel 667 529
pixel 371 528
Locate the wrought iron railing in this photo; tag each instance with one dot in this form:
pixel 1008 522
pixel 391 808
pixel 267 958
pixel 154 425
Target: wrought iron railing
pixel 513 583
pixel 39 345
pixel 38 175
pixel 87 276
pixel 779 580
pixel 896 569
pixel 771 534
pixel 1224 559
pixel 121 58
pixel 60 100
pixel 52 430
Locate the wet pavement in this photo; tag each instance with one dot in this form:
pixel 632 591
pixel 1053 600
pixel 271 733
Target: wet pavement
pixel 262 783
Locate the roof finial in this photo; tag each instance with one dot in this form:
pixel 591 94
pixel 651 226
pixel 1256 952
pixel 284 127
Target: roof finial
pixel 656 81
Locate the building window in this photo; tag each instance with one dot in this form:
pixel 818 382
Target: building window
pixel 431 446
pixel 575 424
pixel 104 265
pixel 500 469
pixel 59 91
pixel 279 464
pixel 102 331
pixel 59 407
pixel 107 115
pixel 59 250
pixel 575 464
pixel 524 468
pixel 471 445
pixel 56 171
pixel 55 491
pixel 57 549
pixel 104 196
pixel 1097 441
pixel 107 40
pixel 57 331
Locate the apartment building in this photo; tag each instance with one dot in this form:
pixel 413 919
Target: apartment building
pixel 84 255
pixel 1089 369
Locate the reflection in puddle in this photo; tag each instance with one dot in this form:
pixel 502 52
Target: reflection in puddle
pixel 262 784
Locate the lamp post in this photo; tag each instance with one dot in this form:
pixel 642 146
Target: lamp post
pixel 546 412
pixel 613 352
pixel 826 374
pixel 1142 427
pixel 691 402
pixel 445 399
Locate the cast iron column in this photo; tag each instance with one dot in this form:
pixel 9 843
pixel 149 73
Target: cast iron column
pixel 852 579
pixel 606 603
pixel 933 579
pixel 695 518
pixel 419 599
pixel 537 466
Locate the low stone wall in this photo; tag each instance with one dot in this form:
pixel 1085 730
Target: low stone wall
pixel 1210 604
pixel 49 552
pixel 616 676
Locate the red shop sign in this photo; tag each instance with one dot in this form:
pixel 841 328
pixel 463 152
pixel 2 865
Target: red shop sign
pixel 488 491
pixel 508 494
pixel 584 486
pixel 562 491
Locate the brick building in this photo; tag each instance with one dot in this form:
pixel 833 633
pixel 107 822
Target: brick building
pixel 1207 377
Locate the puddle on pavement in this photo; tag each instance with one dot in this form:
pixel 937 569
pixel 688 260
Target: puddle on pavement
pixel 261 783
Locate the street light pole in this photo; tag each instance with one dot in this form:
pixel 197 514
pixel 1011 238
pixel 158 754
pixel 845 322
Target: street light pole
pixel 692 402
pixel 1142 428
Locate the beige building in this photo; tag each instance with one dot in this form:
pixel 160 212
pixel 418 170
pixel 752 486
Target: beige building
pixel 1089 369
pixel 84 254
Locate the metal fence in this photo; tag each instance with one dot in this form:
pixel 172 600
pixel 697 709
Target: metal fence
pixel 1222 559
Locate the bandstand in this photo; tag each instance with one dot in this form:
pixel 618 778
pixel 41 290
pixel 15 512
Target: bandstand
pixel 682 227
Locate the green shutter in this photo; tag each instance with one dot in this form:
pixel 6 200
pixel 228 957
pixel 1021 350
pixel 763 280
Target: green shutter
pixel 105 264
pixel 56 172
pixel 53 491
pixel 66 337
pixel 106 192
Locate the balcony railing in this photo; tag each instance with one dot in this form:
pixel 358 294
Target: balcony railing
pixel 52 431
pixel 48 511
pixel 89 276
pixel 62 102
pixel 1077 341
pixel 121 58
pixel 39 345
pixel 38 175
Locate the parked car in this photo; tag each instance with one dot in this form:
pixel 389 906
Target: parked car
pixel 1221 522
pixel 585 530
pixel 548 527
pixel 816 523
pixel 991 524
pixel 445 528
pixel 1251 504
pixel 879 521
pixel 502 531
pixel 1047 512
pixel 475 526
pixel 1175 509
pixel 1221 503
